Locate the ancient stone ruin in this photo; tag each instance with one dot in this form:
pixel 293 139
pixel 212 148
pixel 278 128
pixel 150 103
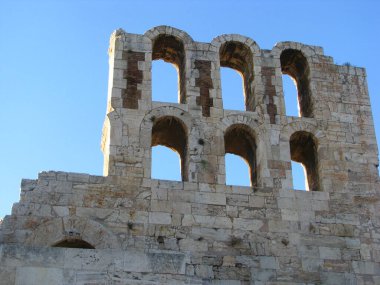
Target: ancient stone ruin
pixel 127 228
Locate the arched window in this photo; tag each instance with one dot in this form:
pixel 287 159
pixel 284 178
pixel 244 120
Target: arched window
pixel 294 64
pixel 239 57
pixel 171 50
pixel 170 132
pixel 303 149
pixel 74 243
pixel 239 140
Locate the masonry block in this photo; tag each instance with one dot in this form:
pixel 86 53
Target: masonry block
pixel 127 228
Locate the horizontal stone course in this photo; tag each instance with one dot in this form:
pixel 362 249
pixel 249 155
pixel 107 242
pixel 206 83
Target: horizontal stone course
pixel 200 230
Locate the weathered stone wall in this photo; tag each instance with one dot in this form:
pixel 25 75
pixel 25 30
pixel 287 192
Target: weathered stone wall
pixel 216 232
pixel 200 231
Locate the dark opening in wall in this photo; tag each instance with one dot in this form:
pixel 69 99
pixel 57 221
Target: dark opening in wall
pixel 171 50
pixel 239 140
pixel 294 64
pixel 170 132
pixel 238 56
pixel 74 243
pixel 303 149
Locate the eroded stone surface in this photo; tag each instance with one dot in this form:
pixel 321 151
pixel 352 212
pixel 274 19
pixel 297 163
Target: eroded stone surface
pixel 200 231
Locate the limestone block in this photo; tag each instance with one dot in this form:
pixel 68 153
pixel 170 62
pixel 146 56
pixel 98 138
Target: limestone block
pixel 7 275
pixel 161 206
pixel 286 203
pixel 329 253
pixel 159 194
pixel 308 251
pixel 249 261
pixel 91 277
pixel 237 200
pixel 167 262
pixel 311 264
pixel 366 267
pixel 262 275
pixel 225 282
pixel 307 216
pixel 38 276
pixel 232 273
pixel 256 201
pixel 183 208
pixel 150 231
pixel 91 259
pixel 183 196
pixel 208 210
pixel 251 213
pixel 188 220
pixel 212 233
pixel 61 211
pixel 60 186
pixel 160 218
pixel 51 232
pixel 280 226
pixel 193 245
pixel 247 224
pixel 268 262
pixel 233 212
pixel 204 271
pixel 77 177
pixel 47 175
pixel 290 215
pixel 28 184
pixel 213 222
pixel 331 278
pixel 318 205
pixel 210 198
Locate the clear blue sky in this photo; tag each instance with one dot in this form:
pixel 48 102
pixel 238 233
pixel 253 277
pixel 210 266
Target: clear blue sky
pixel 54 65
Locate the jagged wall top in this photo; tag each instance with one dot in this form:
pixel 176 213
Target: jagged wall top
pixel 332 99
pixel 200 230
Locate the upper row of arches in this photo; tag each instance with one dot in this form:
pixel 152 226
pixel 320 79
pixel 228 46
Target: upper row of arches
pixel 241 54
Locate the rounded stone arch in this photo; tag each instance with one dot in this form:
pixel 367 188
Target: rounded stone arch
pixel 239 130
pixel 168 126
pixel 304 142
pixel 87 231
pixel 241 54
pixel 253 46
pixel 308 51
pixel 170 45
pixel 157 113
pixel 255 123
pixel 239 139
pixel 302 125
pixel 169 31
pixel 294 59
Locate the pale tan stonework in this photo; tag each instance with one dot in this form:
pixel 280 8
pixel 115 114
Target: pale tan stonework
pixel 131 229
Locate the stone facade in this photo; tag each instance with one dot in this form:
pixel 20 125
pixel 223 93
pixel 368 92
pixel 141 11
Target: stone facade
pixel 126 228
